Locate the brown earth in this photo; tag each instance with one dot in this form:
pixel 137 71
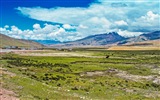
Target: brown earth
pixel 7 95
pixel 153 45
pixel 134 48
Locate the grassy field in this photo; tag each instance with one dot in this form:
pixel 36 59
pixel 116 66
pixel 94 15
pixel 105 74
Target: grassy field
pixel 83 74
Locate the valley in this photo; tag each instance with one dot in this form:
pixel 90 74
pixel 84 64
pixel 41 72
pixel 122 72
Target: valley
pixel 82 74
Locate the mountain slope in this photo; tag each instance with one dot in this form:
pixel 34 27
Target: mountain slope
pixel 151 35
pixel 143 37
pixel 97 40
pixel 8 41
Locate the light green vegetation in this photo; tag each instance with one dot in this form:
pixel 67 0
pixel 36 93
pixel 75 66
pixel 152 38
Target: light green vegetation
pixel 74 78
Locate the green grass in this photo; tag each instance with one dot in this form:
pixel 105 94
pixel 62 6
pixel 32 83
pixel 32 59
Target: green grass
pixel 60 77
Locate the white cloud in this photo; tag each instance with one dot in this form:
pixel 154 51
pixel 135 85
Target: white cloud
pixel 149 22
pixel 129 18
pixel 126 33
pixel 94 25
pixel 15 31
pixel 36 26
pixel 99 17
pixel 104 1
pixel 151 16
pixel 2 29
pixel 48 32
pixel 58 32
pixel 60 15
pixel 67 26
pixel 14 28
pixel 6 26
pixel 82 26
pixel 121 23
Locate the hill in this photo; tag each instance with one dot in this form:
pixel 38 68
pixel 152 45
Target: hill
pixel 6 41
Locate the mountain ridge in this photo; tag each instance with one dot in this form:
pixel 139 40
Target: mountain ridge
pixel 106 39
pixel 111 38
pixel 98 39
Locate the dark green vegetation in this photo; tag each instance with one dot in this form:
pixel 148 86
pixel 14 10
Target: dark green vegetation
pixel 74 78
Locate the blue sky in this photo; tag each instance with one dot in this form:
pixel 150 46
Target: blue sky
pixel 67 20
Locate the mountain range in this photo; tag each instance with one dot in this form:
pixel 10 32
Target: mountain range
pixel 106 39
pixel 111 38
pixel 96 40
pixel 141 38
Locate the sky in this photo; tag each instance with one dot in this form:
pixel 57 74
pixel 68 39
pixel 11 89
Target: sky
pixel 68 20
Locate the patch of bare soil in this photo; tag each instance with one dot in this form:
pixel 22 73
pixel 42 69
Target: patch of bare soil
pixel 4 93
pixel 53 54
pixel 152 94
pixel 61 54
pixel 123 74
pixel 6 72
pixel 98 73
pixel 7 95
pixel 134 48
pixel 154 68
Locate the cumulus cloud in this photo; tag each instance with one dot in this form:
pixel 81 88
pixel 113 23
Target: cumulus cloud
pixel 150 17
pixel 36 26
pixel 47 32
pixel 67 26
pixel 129 18
pixel 149 22
pixel 121 23
pixel 126 33
pixel 13 32
pixel 101 17
pixel 6 26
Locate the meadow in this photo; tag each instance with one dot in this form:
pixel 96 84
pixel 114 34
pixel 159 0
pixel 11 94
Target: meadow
pixel 83 73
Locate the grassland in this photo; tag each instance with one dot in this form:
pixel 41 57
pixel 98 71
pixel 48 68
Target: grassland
pixel 83 74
